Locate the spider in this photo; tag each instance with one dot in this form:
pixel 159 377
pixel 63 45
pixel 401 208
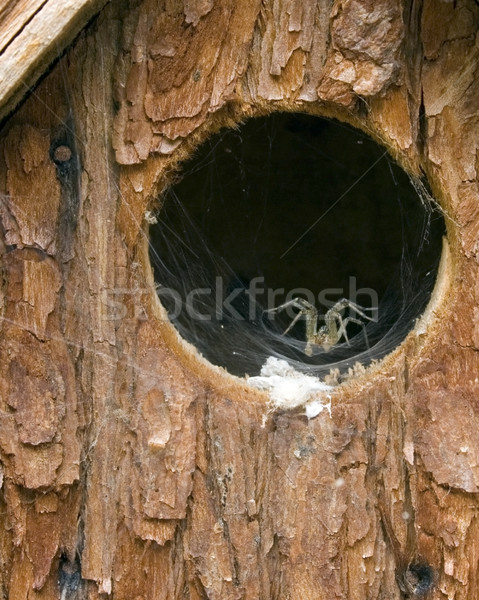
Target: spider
pixel 334 327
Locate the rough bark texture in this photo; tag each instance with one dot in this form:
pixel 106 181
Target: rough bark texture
pixel 125 458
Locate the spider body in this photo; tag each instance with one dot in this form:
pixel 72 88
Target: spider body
pixel 334 328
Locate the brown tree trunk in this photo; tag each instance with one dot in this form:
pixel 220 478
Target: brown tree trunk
pixel 130 466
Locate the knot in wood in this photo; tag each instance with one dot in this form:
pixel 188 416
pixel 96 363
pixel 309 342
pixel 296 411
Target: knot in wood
pixel 62 154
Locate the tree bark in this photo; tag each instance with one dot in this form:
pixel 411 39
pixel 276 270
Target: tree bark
pixel 133 468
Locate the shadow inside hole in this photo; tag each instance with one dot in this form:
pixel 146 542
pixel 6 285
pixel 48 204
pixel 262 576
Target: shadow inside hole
pixel 293 205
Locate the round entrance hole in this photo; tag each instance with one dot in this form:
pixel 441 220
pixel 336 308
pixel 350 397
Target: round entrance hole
pixel 286 213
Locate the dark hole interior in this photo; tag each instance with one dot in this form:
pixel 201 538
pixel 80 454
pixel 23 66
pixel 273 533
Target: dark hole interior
pixel 287 206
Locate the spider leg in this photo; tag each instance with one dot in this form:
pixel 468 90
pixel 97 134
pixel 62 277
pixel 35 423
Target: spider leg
pixel 344 324
pixel 294 302
pixel 345 303
pixel 341 331
pixel 300 314
pixel 305 309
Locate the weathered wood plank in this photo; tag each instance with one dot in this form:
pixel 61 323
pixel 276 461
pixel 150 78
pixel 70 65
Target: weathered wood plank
pixel 14 15
pixel 32 34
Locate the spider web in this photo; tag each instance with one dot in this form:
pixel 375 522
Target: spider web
pixel 293 206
